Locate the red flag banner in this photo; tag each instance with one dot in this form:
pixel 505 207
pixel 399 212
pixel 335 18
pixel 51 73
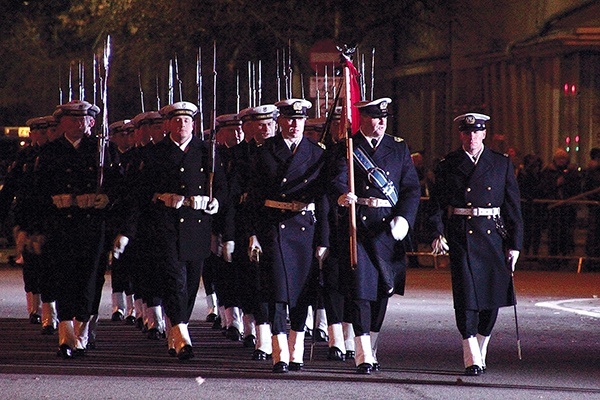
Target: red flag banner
pixel 354 95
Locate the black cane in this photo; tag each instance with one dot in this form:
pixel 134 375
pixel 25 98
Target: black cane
pixel 512 276
pixel 319 295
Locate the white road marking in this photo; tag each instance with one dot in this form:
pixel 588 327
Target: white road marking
pixel 589 308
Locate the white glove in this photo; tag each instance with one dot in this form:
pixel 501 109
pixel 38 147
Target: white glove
pixel 439 246
pixel 199 202
pixel 85 200
pixel 100 201
pixel 346 199
pixel 513 256
pixel 62 200
pixel 172 200
pixel 321 254
pixel 228 248
pixel 212 207
pixel 399 226
pixel 119 245
pixel 254 248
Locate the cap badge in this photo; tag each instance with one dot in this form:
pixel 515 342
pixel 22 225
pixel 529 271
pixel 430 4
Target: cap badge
pixel 383 105
pixel 297 106
pixel 470 120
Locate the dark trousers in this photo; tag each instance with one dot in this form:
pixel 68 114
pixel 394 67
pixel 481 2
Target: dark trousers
pixel 182 280
pixel 473 322
pixel 367 316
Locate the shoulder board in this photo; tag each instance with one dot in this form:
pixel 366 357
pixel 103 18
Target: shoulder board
pixel 396 138
pixel 322 145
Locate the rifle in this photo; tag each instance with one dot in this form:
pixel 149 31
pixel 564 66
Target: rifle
pixel 177 78
pixel 259 98
pixel 81 80
pixel 278 79
pixel 141 90
pixel 157 94
pixel 249 83
pixel 326 83
pixel 70 81
pixel 372 72
pixel 103 136
pixel 237 92
pixel 60 92
pixel 290 70
pixel 213 127
pixel 330 114
pixel 346 126
pixel 318 93
pixel 94 66
pixel 200 130
pixel 170 97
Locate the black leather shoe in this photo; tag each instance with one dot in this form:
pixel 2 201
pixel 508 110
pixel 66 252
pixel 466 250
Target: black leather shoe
pixel 117 316
pixel 233 334
pixel 172 352
pixel 350 354
pixel 473 370
pixel 295 366
pixel 321 336
pixel 48 330
pixel 249 341
pixel 280 367
pixel 364 369
pixel 185 353
pixel 91 345
pixel 211 317
pixel 155 334
pixel 65 351
pixel 376 366
pixel 130 320
pixel 217 323
pixel 139 323
pixel 260 355
pixel 79 352
pixel 335 354
pixel 35 318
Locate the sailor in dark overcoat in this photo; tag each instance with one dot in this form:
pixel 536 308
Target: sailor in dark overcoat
pixel 75 210
pixel 176 183
pixel 475 187
pixel 285 195
pixel 381 226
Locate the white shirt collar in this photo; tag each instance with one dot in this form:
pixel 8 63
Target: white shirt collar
pixel 183 146
pixel 75 144
pixel 289 142
pixel 475 158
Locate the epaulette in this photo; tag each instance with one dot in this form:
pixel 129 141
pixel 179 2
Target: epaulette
pixel 396 138
pixel 322 145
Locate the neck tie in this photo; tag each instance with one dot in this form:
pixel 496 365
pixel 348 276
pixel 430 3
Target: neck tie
pixel 374 143
pixel 293 147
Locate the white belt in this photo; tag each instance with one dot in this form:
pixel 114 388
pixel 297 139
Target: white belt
pixel 291 206
pixel 477 211
pixel 373 202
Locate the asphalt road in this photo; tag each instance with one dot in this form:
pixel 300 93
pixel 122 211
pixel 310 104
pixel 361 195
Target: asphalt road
pixel 420 352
